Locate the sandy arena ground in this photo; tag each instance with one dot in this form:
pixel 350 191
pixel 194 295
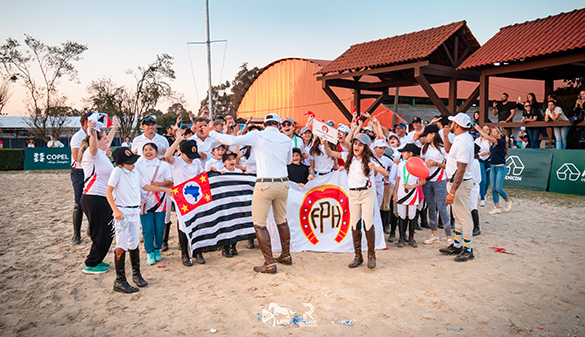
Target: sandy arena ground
pixel 412 292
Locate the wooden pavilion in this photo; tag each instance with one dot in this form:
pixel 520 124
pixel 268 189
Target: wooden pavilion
pixel 420 58
pixel 548 49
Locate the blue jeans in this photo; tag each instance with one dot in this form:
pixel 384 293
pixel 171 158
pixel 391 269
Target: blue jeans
pixel 485 178
pixel 497 177
pixel 561 137
pixel 436 195
pixel 153 228
pixel 533 134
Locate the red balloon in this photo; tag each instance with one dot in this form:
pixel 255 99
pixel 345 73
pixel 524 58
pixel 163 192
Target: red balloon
pixel 417 167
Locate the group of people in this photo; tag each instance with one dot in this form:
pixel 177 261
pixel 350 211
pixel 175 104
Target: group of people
pixel 532 111
pixel 136 193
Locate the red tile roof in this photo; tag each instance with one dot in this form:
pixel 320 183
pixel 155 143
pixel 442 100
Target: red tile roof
pixel 553 34
pixel 397 49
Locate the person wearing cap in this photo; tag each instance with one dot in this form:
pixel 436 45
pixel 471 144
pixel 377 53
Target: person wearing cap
pixel 184 167
pixel 307 136
pixel 229 164
pixel 273 151
pixel 297 171
pixel 361 167
pixel 288 128
pixel 459 170
pixel 435 189
pixel 154 205
pixel 342 133
pixel 77 177
pixel 150 136
pixel 418 126
pixel 403 137
pixel 123 194
pixel 383 192
pixel 407 195
pixel 215 163
pixel 97 168
pixel 218 125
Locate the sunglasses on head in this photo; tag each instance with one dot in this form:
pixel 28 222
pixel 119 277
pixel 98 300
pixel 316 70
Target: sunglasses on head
pixel 149 119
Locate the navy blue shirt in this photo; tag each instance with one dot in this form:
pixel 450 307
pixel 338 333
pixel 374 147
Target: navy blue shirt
pixel 498 152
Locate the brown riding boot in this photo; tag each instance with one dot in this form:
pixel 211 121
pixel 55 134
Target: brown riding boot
pixel 284 232
pixel 263 237
pixel 357 246
pixel 371 237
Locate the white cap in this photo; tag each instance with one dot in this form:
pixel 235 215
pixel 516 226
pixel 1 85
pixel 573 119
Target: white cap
pixel 462 119
pixel 343 128
pixel 215 145
pixel 522 128
pixel 379 143
pixel 369 128
pixel 99 118
pixel 271 117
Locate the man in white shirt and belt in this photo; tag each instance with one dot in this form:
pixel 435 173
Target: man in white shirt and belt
pixel 77 177
pixel 273 151
pixel 150 136
pixel 459 171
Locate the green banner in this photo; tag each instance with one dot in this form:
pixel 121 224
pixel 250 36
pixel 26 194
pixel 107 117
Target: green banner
pixel 47 158
pixel 568 172
pixel 528 169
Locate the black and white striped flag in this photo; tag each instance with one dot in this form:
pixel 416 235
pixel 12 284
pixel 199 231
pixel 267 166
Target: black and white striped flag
pixel 227 218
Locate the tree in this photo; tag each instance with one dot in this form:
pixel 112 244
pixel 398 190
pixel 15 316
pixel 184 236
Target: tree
pixel 227 104
pixel 130 105
pixel 47 108
pixel 4 94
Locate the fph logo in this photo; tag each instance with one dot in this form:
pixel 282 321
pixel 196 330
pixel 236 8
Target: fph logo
pixel 568 171
pixel 325 205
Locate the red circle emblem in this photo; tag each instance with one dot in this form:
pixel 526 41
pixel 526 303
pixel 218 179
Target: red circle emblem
pixel 325 128
pixel 128 153
pixel 338 214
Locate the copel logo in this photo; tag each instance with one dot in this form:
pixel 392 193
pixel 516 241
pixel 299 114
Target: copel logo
pixel 569 171
pixel 515 168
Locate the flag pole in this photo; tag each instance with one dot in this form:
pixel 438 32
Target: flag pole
pixel 209 95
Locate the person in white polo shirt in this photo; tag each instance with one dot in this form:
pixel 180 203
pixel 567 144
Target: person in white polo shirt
pixel 459 170
pixel 150 136
pixel 77 177
pixel 273 151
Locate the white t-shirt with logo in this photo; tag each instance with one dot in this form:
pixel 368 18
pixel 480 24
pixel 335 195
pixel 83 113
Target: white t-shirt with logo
pixel 97 170
pixel 127 185
pixel 75 143
pixel 217 164
pixel 161 142
pixel 439 155
pixel 355 175
pixel 147 168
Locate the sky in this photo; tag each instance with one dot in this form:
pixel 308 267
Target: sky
pixel 123 35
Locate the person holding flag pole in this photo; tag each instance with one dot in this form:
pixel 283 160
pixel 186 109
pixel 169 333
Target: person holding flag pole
pixel 273 151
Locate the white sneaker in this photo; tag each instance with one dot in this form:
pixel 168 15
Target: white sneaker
pixel 482 203
pixel 508 206
pixel 450 242
pixel 432 239
pixel 496 211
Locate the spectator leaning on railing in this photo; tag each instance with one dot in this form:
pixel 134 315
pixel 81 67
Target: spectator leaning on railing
pixel 555 113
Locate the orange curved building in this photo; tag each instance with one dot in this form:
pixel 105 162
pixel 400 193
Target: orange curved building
pixel 289 88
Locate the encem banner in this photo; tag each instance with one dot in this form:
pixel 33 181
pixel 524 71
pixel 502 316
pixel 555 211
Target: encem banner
pixel 325 131
pixel 568 172
pixel 319 218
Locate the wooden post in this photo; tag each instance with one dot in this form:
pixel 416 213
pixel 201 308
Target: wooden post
pixel 426 86
pixel 549 87
pixel 396 98
pixel 336 100
pixel 453 96
pixel 484 97
pixel 357 100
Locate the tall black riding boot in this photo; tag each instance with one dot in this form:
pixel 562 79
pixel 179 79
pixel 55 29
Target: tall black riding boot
pixel 393 225
pixel 135 260
pixel 424 218
pixel 77 218
pixel 402 232
pixel 475 216
pixel 184 248
pixel 416 225
pixel 269 265
pixel 120 284
pixel 385 215
pixel 371 239
pixel 284 233
pixel 165 245
pixel 411 229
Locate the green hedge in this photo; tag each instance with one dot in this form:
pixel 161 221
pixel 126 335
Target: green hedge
pixel 11 159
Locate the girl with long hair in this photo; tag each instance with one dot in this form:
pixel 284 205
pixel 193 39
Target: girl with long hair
pixel 498 153
pixel 435 189
pixel 484 163
pixel 360 166
pixel 321 163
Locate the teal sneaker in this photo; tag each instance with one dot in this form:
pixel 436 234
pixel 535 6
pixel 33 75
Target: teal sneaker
pixel 103 264
pixel 157 256
pixel 150 259
pixel 94 270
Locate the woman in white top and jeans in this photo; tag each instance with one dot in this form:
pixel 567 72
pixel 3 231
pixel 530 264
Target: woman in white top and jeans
pixel 435 189
pixel 97 168
pixel 360 167
pixel 555 113
pixel 484 163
